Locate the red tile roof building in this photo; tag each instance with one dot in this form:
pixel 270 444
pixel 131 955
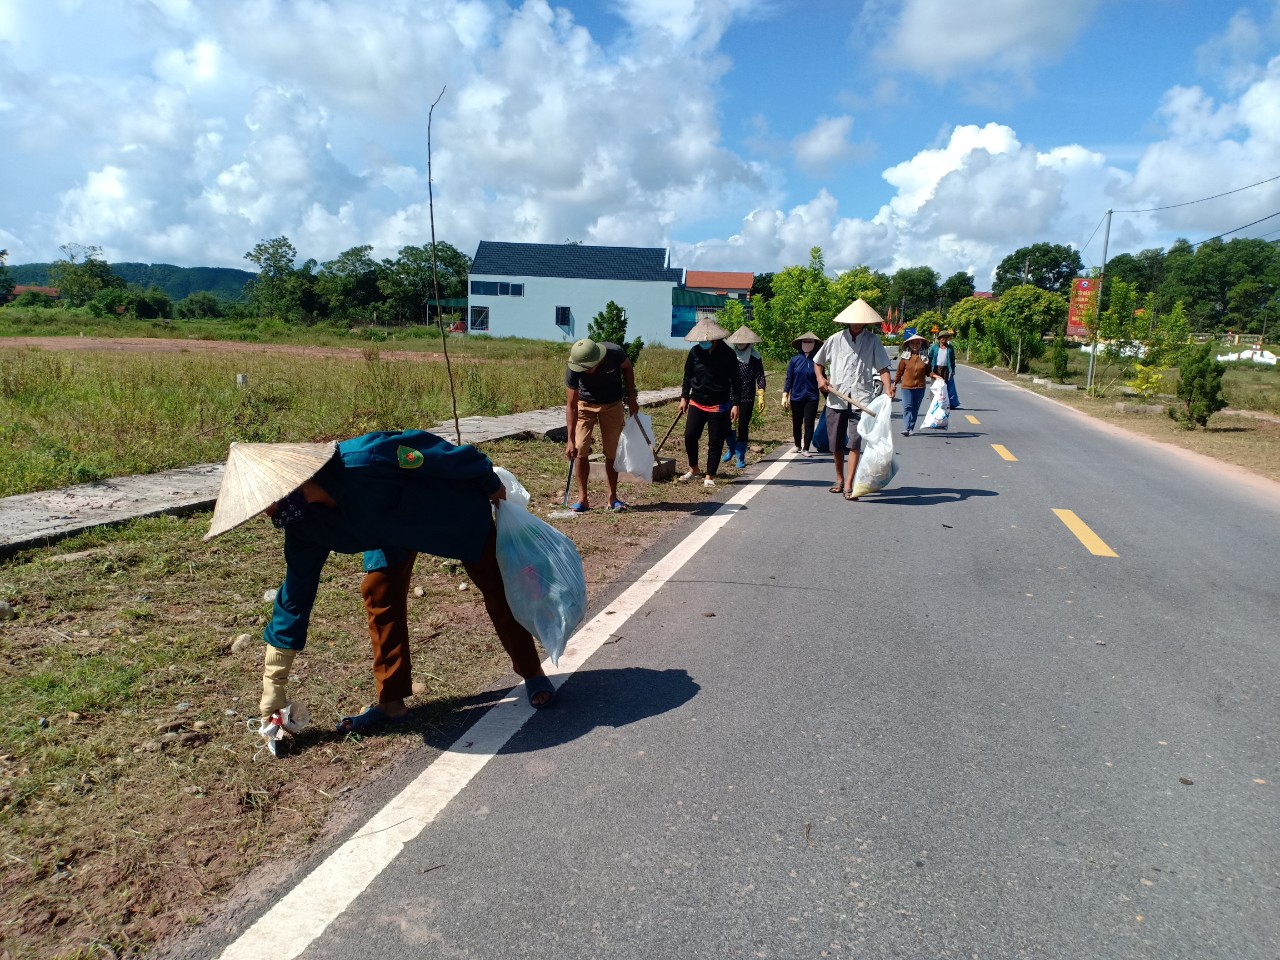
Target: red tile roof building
pixel 724 283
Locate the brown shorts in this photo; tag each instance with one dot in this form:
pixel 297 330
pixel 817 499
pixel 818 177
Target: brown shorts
pixel 610 418
pixel 842 430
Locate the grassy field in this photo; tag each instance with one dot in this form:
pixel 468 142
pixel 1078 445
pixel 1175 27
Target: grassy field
pixel 73 417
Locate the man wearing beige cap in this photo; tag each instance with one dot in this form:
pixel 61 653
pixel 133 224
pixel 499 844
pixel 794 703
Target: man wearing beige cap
pixel 848 363
pixel 600 377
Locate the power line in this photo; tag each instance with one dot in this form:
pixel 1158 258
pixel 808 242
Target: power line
pixel 1237 229
pixel 1094 234
pixel 1201 200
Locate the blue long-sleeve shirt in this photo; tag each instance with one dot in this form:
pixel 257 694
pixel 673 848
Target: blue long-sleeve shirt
pixel 396 493
pixel 802 380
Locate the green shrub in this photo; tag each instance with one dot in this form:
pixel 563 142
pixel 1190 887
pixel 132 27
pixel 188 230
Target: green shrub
pixel 1199 388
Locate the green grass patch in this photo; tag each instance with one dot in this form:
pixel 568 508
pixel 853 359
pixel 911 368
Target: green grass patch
pixel 73 417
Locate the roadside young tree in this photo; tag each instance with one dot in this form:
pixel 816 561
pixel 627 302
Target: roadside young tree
pixel 803 299
pixel 610 326
pixel 968 318
pixel 1025 314
pixel 1199 388
pixel 859 283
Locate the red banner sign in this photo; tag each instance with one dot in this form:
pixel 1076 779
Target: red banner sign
pixel 1083 306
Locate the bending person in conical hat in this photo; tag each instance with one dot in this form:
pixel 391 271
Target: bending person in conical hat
pixel 850 361
pixel 800 391
pixel 710 393
pixel 751 385
pixel 390 496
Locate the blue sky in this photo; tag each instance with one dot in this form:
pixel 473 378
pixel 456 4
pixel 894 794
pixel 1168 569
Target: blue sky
pixel 738 133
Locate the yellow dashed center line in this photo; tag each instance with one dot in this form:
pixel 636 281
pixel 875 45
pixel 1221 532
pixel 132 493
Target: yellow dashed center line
pixel 1092 542
pixel 1004 453
pixel 972 419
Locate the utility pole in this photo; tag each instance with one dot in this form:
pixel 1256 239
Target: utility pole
pixel 1097 313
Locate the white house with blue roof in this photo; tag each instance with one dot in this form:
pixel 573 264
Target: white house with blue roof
pixel 550 291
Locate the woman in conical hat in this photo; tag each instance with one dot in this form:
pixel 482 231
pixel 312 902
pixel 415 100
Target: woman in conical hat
pixel 391 496
pixel 751 386
pixel 912 376
pixel 710 394
pixel 800 391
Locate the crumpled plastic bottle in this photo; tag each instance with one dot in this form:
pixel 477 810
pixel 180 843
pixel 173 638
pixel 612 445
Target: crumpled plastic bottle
pixel 284 723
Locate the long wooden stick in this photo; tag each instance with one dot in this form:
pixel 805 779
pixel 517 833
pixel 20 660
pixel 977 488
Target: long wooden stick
pixel 849 400
pixel 668 433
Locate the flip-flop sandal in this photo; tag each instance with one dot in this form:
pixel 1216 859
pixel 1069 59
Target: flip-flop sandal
pixel 617 506
pixel 536 685
pixel 848 495
pixel 372 719
pixel 836 488
pixel 579 507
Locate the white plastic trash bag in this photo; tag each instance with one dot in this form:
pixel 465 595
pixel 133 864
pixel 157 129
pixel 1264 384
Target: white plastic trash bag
pixel 876 466
pixel 939 415
pixel 541 571
pixel 635 451
pixel 516 493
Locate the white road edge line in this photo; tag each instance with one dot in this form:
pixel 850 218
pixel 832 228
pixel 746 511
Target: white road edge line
pixel 302 915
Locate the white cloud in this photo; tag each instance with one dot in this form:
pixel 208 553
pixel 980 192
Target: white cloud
pixel 945 40
pixel 826 145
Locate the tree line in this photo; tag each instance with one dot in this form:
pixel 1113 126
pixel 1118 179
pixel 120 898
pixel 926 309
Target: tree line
pixel 351 288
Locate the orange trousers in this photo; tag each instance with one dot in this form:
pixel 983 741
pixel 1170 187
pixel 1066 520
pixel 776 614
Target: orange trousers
pixel 386 601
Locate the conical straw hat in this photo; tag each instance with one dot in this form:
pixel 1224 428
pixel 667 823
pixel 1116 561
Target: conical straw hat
pixel 706 329
pixel 744 336
pixel 259 474
pixel 807 335
pixel 858 312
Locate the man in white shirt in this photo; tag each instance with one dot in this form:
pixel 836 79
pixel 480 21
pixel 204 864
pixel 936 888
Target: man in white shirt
pixel 849 362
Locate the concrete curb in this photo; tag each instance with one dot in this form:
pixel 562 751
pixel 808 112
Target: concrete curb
pixel 38 519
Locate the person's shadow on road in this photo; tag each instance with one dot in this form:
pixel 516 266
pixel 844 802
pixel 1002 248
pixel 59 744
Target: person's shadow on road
pixel 925 496
pixel 586 700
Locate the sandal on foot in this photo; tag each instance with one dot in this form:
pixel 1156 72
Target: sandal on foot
pixel 536 685
pixel 579 507
pixel 617 506
pixel 848 495
pixel 372 719
pixel 835 488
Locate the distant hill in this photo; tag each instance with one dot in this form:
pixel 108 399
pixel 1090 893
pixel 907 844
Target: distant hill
pixel 225 283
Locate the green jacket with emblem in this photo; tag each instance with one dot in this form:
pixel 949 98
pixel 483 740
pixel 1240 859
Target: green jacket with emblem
pixel 397 492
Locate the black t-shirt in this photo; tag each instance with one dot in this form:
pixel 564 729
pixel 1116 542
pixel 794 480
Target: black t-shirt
pixel 604 384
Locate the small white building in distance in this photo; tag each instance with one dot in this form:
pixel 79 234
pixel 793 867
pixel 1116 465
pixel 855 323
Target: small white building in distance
pixel 552 291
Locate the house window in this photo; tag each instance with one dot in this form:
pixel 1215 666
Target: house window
pixel 564 317
pixel 480 318
pixel 492 288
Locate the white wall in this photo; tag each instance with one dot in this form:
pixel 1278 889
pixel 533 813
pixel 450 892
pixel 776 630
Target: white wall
pixel 647 304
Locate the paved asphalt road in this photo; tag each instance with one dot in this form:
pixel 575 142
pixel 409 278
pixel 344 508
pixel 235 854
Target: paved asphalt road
pixel 928 724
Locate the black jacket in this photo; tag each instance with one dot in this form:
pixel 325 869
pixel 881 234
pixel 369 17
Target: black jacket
pixel 711 376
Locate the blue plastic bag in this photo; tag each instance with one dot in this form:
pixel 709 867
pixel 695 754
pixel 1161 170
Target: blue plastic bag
pixel 541 573
pixel 819 442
